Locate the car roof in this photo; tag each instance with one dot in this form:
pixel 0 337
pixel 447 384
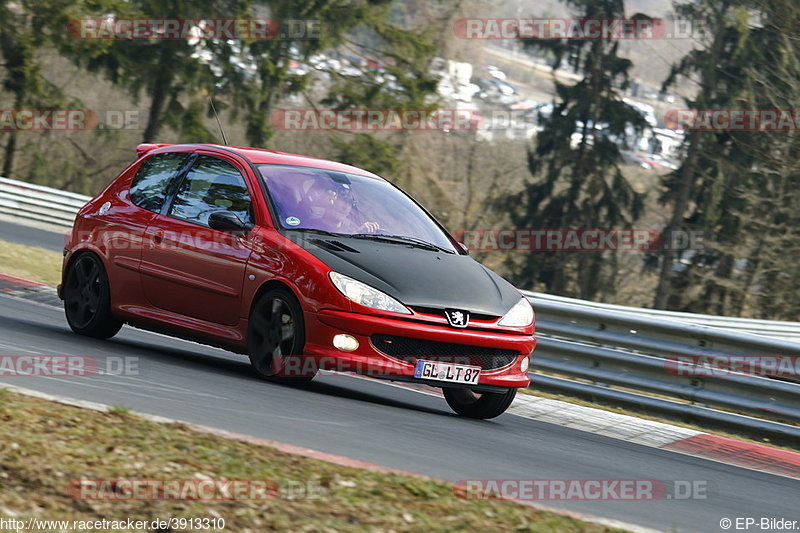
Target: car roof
pixel 261 156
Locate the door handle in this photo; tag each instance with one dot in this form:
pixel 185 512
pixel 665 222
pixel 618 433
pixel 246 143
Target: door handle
pixel 157 237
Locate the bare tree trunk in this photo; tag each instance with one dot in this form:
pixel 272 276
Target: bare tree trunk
pixel 664 287
pixel 709 82
pixel 8 157
pixel 160 94
pixel 11 145
pixel 154 114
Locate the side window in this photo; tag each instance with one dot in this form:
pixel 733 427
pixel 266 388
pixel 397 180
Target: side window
pixel 211 185
pixel 149 186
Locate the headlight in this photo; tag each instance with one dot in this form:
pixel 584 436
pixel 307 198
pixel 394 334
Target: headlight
pixel 519 316
pixel 363 294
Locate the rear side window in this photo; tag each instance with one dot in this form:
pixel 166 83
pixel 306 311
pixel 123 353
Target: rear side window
pixel 212 185
pixel 149 186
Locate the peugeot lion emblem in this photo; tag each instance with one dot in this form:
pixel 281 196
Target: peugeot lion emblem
pixel 456 318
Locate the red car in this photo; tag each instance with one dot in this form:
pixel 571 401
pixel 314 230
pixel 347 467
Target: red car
pixel 302 264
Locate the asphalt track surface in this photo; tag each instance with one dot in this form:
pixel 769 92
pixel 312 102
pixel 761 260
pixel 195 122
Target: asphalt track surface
pixel 16 233
pixel 384 424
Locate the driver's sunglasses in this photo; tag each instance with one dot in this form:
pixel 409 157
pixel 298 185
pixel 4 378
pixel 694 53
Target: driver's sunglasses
pixel 326 195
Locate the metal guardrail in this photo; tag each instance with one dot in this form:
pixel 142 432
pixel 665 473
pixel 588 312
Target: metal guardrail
pixel 38 203
pixel 610 352
pixel 768 328
pixel 629 359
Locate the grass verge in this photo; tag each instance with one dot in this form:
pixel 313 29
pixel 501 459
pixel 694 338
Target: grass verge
pixel 44 446
pixel 30 262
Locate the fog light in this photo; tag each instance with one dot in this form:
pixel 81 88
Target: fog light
pixel 345 343
pixel 523 365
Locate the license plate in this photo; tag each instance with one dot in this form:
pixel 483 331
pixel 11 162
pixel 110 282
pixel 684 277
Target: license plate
pixel 439 371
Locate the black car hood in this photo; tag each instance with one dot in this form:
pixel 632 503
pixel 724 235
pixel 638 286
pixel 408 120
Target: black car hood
pixel 415 276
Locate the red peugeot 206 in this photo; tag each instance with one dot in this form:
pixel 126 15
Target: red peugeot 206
pixel 302 264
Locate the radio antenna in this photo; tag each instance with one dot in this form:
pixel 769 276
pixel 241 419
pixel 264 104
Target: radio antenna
pixel 214 109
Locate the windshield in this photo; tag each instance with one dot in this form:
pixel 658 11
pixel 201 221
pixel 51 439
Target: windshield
pixel 325 200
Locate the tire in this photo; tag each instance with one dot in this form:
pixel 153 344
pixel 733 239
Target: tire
pixel 469 403
pixel 277 330
pixel 87 298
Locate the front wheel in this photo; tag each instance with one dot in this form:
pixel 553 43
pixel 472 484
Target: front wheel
pixel 276 334
pixel 469 403
pixel 87 298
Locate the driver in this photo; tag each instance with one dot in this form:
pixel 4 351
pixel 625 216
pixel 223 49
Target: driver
pixel 330 206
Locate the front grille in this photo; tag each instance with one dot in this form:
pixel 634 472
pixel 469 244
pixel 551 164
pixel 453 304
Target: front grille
pixel 410 350
pixel 440 312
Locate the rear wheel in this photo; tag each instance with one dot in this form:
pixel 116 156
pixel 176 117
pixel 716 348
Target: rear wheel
pixel 87 298
pixel 469 403
pixel 276 334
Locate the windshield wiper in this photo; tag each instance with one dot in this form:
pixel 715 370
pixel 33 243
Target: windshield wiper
pixel 402 239
pixel 319 232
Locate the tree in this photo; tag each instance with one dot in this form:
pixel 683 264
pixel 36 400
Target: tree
pixel 769 240
pixel 170 72
pixel 401 47
pixel 709 191
pixel 22 33
pixel 317 25
pixel 576 179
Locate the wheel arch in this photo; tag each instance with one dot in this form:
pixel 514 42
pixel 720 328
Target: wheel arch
pixel 277 283
pixel 270 285
pixel 79 253
pixel 102 324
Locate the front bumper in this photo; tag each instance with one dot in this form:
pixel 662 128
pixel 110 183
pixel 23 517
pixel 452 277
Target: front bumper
pixel 368 360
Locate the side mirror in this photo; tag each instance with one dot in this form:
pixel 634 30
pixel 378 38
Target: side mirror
pixel 226 221
pixel 464 247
